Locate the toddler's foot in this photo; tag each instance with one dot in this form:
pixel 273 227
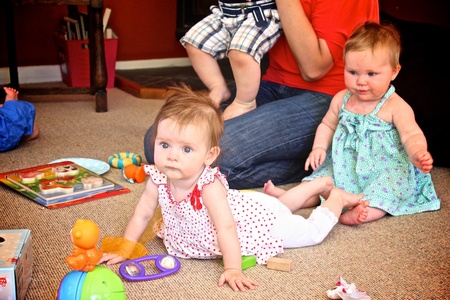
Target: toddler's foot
pixel 355 215
pixel 238 108
pixel 33 135
pixel 347 199
pixel 219 95
pixel 11 94
pixel 272 190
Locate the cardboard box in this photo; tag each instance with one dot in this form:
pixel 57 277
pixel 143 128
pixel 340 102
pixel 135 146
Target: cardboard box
pixel 75 64
pixel 16 263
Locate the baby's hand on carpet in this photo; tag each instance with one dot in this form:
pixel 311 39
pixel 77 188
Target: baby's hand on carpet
pixel 237 280
pixel 111 258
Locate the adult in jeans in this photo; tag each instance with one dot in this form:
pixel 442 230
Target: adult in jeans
pixel 306 69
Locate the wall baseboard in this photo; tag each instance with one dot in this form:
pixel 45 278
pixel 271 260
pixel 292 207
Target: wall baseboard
pixel 52 73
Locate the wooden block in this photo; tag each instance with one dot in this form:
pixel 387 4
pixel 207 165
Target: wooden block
pixel 280 264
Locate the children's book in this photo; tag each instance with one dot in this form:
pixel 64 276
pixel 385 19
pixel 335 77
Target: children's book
pixel 61 184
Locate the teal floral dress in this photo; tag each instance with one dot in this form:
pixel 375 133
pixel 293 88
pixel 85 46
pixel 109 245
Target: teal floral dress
pixel 367 157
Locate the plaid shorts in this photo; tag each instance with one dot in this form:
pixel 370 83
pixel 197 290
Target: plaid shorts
pixel 216 33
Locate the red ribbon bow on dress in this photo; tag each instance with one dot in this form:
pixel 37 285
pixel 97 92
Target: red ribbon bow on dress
pixel 195 198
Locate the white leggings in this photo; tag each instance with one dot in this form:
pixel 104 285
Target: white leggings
pixel 295 230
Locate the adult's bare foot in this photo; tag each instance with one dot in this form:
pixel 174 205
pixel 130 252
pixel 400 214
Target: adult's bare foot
pixel 272 190
pixel 355 215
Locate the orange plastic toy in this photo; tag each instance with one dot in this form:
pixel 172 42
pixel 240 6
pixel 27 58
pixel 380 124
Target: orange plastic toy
pixel 85 255
pixel 133 173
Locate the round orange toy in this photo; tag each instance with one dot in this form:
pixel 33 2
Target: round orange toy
pixel 133 173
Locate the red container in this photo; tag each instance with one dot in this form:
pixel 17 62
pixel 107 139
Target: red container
pixel 74 60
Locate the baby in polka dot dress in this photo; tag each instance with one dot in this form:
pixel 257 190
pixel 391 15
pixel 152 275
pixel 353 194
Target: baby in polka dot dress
pixel 202 217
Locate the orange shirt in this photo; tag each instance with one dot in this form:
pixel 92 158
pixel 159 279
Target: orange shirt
pixel 333 21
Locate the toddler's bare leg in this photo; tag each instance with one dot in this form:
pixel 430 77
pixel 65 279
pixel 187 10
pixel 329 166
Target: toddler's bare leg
pixel 247 75
pixel 306 194
pixel 272 190
pixel 208 70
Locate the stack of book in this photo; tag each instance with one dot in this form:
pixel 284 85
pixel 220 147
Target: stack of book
pixel 75 26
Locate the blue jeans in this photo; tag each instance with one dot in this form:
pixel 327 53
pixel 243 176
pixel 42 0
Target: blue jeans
pixel 270 142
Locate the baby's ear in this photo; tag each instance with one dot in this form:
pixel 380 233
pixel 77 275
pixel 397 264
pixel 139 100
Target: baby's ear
pixel 395 72
pixel 212 155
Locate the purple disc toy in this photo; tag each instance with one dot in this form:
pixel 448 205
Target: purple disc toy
pixel 133 270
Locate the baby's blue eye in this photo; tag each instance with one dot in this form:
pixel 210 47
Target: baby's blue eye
pixel 187 149
pixel 164 145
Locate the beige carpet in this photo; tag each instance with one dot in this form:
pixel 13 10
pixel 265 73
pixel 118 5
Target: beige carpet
pixel 394 258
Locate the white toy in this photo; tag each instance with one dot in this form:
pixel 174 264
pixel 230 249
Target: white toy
pixel 346 291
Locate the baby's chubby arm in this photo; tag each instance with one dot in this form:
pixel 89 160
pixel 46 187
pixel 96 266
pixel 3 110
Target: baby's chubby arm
pixel 214 197
pixel 143 213
pixel 411 135
pixel 324 133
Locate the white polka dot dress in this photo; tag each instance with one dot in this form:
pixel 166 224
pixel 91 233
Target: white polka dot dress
pixel 189 233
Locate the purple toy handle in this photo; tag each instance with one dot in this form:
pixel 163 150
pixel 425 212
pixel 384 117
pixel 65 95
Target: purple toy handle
pixel 134 271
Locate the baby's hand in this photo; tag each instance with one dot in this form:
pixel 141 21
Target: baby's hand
pixel 315 158
pixel 111 258
pixel 423 161
pixel 237 280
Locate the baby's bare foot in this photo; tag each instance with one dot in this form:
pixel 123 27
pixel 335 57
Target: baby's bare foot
pixel 218 95
pixel 238 108
pixel 356 215
pixel 272 190
pixel 33 135
pixel 11 94
pixel 348 199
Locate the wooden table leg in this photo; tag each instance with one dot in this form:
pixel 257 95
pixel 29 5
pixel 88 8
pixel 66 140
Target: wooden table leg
pixel 97 61
pixel 99 76
pixel 11 44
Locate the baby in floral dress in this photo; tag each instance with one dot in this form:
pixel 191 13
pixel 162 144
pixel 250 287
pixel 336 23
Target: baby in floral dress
pixel 369 141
